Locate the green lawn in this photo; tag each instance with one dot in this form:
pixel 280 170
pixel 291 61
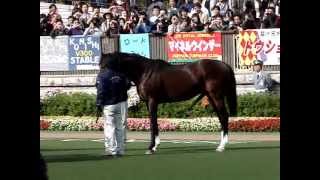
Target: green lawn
pixel 82 160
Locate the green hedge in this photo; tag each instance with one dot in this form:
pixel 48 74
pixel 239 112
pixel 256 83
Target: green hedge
pixel 82 104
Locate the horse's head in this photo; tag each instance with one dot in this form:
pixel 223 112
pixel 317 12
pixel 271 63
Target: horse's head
pixel 110 61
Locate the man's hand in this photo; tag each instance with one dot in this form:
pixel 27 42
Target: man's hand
pixel 98 112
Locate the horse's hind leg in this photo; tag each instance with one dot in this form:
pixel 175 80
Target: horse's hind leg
pixel 219 106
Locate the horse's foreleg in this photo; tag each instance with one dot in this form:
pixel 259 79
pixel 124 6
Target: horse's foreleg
pixel 155 140
pixel 219 106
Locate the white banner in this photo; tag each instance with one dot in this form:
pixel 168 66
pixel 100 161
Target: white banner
pixel 54 53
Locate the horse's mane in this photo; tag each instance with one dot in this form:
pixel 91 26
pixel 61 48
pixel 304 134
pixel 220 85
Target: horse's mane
pixel 152 64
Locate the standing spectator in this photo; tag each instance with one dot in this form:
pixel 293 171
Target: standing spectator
pixel 249 22
pixel 96 14
pixel 128 28
pixel 249 9
pixel 55 18
pixel 93 29
pixel 85 15
pixel 76 13
pixel 236 6
pixel 58 29
pixel 188 4
pixel 209 4
pixel 196 24
pixel 270 20
pixel 174 26
pixel 107 20
pixel 228 17
pixel 278 8
pixel 196 5
pixel 183 13
pixel 158 3
pixel 185 25
pixel 215 11
pixel 236 23
pixel 124 15
pixel 155 14
pixel 114 28
pixel 198 10
pixel 224 6
pixel 53 11
pixel 76 28
pixel 70 22
pixel 45 26
pixel 163 14
pixel 161 27
pixel 143 25
pixel 172 9
pixel 217 24
pixel 123 26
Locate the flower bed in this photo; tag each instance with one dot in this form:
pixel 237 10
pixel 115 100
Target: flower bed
pixel 187 125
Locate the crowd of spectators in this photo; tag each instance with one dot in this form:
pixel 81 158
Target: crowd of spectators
pixel 162 18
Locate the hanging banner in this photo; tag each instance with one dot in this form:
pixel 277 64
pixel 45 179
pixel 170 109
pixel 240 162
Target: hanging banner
pixel 84 52
pixel 135 43
pixel 262 44
pixel 188 47
pixel 53 53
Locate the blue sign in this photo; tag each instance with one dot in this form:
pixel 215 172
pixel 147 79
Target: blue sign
pixel 84 52
pixel 135 43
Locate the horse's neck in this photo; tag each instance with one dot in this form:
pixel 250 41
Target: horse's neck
pixel 135 72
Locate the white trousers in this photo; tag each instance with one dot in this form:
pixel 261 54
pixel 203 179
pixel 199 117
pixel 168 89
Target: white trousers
pixel 115 127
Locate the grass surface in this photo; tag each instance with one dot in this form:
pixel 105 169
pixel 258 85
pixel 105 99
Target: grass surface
pixel 83 160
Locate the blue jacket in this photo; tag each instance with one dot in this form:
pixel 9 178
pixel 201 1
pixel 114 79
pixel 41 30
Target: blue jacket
pixel 111 88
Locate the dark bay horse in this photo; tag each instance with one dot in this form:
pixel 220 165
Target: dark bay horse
pixel 159 82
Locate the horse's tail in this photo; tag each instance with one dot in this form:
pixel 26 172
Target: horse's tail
pixel 232 93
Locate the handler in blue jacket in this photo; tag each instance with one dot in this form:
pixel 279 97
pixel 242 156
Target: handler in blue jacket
pixel 112 101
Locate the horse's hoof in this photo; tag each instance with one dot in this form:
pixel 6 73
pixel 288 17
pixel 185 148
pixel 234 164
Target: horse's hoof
pixel 149 152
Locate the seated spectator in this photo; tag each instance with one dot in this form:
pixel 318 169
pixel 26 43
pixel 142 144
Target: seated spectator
pixel 196 24
pixel 172 9
pixel 155 14
pixel 223 5
pixel 198 10
pixel 185 25
pixel 76 28
pixel 93 28
pixel 261 80
pixel 58 29
pixel 270 19
pixel 114 28
pixel 70 22
pixel 217 24
pixel 174 26
pixel 143 25
pixel 85 15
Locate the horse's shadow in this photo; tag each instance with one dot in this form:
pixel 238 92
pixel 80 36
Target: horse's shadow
pixel 161 152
